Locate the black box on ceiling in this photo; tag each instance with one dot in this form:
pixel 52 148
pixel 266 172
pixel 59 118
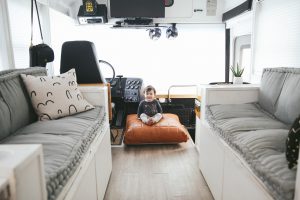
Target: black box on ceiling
pixel 100 15
pixel 137 8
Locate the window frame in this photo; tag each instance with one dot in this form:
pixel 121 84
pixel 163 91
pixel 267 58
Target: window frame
pixel 239 43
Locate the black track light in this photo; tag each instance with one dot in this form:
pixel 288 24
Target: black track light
pixel 172 32
pixel 155 33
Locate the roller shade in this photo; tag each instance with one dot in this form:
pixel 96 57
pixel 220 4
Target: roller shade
pixel 276 40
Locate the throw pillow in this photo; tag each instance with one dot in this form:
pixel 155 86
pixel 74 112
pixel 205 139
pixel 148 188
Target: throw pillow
pixel 292 144
pixel 55 97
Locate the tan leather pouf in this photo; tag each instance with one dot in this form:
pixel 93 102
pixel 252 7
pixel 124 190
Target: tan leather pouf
pixel 167 130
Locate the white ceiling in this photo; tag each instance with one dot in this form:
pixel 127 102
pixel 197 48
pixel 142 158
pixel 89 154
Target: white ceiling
pixel 71 7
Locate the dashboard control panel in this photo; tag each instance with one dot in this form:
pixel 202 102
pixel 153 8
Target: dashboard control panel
pixel 128 89
pixel 133 90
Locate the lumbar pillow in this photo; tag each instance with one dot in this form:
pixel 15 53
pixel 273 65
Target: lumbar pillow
pixel 56 96
pixel 292 144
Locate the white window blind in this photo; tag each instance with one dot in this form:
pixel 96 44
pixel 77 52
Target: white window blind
pixel 276 34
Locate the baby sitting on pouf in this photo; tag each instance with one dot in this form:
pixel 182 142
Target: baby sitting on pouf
pixel 149 110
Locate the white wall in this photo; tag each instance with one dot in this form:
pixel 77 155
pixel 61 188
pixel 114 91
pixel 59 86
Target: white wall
pixel 276 38
pixel 196 56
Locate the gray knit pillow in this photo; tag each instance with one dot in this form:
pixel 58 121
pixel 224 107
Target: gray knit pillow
pixel 55 96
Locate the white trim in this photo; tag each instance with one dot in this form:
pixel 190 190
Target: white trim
pixel 44 10
pixel 6 48
pixel 255 76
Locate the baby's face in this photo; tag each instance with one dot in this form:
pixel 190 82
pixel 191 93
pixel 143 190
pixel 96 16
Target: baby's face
pixel 149 96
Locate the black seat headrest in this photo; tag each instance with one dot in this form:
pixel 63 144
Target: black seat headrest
pixel 82 56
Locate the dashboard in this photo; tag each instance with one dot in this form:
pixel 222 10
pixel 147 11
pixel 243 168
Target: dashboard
pixel 128 89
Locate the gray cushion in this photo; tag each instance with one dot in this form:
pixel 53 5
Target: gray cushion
pixel 264 150
pixel 231 119
pixel 64 143
pixel 271 84
pixel 15 99
pixel 249 124
pixel 236 111
pixel 288 104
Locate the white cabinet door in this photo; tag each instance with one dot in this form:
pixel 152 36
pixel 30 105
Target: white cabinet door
pixel 88 187
pixel 180 9
pixel 211 160
pixel 103 164
pixel 236 175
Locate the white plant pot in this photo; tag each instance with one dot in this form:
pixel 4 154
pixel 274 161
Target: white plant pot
pixel 237 80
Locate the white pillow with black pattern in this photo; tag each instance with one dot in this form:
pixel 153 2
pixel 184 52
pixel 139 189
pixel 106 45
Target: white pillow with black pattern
pixel 55 96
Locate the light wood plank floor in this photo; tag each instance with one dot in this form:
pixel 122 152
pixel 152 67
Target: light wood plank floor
pixel 156 172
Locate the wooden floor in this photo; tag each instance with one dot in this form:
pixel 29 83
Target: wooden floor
pixel 156 172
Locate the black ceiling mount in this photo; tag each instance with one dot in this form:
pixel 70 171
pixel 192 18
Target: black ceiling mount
pixel 138 21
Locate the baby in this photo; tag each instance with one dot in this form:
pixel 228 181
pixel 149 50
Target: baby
pixel 149 110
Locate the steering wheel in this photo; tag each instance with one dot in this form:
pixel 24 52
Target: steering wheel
pixel 113 70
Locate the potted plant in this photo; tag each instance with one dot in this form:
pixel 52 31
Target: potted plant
pixel 237 74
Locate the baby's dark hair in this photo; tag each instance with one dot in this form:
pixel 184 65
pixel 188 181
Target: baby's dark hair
pixel 149 88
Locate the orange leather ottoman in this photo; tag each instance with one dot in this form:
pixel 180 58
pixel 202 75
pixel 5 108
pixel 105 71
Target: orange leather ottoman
pixel 167 130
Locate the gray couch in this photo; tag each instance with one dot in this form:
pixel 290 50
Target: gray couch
pixel 65 141
pixel 258 131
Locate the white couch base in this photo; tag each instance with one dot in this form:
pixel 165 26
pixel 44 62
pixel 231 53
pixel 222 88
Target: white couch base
pixel 88 182
pixel 92 175
pixel 226 173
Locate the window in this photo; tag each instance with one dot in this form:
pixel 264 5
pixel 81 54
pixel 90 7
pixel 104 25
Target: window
pixel 245 61
pixel 20 30
pixel 196 56
pixel 242 55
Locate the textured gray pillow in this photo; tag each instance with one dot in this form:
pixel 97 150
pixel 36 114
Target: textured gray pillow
pixel 288 104
pixel 271 85
pixel 55 97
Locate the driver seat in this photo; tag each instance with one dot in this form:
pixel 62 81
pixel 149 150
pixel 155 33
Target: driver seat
pixel 82 56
